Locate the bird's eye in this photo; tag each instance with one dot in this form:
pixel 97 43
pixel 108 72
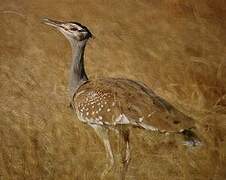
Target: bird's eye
pixel 81 30
pixel 74 29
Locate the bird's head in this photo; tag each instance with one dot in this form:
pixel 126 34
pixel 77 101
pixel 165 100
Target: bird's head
pixel 71 30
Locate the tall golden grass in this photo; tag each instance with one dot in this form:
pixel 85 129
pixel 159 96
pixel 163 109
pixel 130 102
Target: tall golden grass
pixel 176 47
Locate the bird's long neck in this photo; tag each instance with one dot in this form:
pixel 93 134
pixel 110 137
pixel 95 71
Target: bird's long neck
pixel 77 71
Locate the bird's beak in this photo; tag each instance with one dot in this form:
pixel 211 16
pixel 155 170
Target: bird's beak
pixel 51 22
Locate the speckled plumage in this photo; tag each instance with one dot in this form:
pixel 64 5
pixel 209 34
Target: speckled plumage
pixel 108 101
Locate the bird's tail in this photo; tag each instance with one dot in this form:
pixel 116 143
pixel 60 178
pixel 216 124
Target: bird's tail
pixel 190 138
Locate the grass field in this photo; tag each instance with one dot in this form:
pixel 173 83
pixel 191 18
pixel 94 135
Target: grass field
pixel 177 47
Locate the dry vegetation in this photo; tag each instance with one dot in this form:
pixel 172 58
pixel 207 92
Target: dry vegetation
pixel 177 47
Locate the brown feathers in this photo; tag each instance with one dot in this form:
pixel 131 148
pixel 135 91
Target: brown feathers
pixel 102 101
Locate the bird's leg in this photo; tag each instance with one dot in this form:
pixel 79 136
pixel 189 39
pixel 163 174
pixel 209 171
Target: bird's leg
pixel 102 132
pixel 125 151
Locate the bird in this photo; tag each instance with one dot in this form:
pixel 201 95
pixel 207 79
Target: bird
pixel 117 104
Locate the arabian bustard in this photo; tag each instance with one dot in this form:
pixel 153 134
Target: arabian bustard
pixel 116 103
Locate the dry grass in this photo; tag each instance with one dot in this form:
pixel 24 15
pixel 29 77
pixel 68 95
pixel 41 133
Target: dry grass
pixel 177 47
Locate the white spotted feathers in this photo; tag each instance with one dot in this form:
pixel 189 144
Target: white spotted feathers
pixel 121 101
pixel 95 106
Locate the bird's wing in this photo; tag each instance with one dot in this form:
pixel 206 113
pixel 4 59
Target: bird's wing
pixel 106 100
pixel 140 103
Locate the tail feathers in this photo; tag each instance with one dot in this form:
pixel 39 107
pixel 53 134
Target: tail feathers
pixel 190 138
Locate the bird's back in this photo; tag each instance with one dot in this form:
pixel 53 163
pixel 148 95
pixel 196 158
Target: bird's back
pixel 115 101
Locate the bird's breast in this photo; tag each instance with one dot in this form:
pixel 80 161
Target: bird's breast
pixel 96 106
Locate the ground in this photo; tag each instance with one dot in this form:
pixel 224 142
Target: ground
pixel 176 47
